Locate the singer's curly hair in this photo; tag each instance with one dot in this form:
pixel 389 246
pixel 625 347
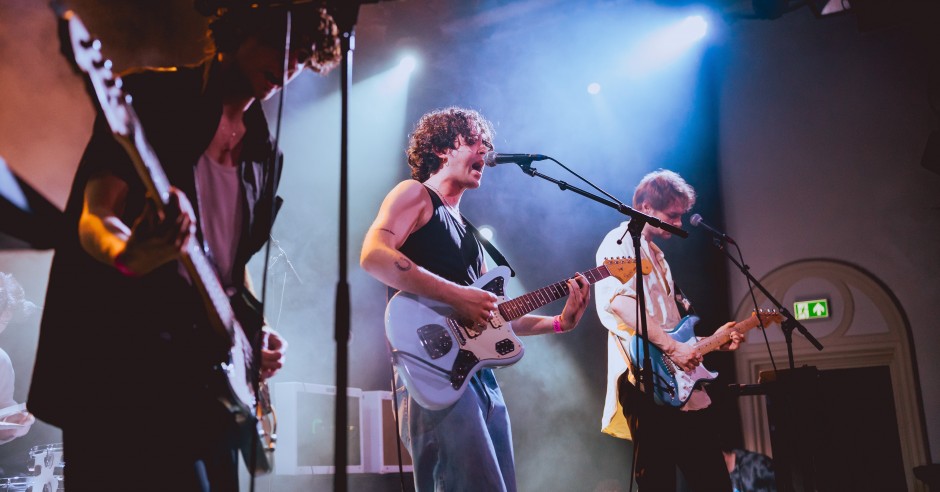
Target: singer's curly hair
pixel 661 188
pixel 234 21
pixel 437 132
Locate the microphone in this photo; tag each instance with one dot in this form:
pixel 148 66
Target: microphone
pixel 696 220
pixel 493 158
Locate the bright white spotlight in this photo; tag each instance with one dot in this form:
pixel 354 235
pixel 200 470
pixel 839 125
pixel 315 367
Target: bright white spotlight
pixel 666 45
pixel 486 232
pixel 594 88
pixel 693 27
pixel 408 64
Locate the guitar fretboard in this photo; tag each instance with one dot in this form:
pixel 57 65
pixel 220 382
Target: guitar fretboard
pixel 714 342
pixel 526 303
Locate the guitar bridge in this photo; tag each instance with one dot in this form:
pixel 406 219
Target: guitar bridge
pixel 670 366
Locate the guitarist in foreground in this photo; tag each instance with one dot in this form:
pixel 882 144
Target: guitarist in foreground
pixel 421 244
pixel 665 437
pixel 127 365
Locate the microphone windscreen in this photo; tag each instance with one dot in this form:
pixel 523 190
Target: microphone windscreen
pixel 695 220
pixel 490 158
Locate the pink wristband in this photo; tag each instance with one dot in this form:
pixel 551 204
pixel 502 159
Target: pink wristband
pixel 121 267
pixel 556 324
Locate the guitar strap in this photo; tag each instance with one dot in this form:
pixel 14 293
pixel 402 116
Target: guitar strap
pixel 488 246
pixel 683 303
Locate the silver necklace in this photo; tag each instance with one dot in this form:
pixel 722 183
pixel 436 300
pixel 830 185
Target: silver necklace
pixel 450 208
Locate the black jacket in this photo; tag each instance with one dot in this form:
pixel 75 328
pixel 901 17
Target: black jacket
pixel 141 344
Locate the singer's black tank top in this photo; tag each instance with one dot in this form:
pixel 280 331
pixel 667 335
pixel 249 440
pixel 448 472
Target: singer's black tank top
pixel 444 247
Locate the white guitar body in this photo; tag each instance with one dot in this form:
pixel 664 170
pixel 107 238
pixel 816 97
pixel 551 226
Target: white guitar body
pixel 436 355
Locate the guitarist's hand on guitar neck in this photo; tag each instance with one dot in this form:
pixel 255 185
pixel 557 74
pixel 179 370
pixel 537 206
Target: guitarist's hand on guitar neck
pixel 272 352
pixel 736 340
pixel 158 235
pixel 580 294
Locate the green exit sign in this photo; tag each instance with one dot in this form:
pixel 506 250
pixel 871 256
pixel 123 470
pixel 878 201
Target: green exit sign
pixel 815 309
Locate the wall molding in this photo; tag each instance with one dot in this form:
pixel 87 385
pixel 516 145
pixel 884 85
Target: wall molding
pixel 844 349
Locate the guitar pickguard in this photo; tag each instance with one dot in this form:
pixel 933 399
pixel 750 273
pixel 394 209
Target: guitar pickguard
pixel 466 360
pixel 496 286
pixel 435 340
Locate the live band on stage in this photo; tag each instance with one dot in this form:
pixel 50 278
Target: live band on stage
pixel 154 330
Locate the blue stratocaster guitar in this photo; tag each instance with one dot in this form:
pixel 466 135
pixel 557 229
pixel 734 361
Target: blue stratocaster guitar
pixel 436 354
pixel 671 385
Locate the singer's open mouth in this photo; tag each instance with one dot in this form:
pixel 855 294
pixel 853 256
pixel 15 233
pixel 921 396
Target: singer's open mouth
pixel 477 166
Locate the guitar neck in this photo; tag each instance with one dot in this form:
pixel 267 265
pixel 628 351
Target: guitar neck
pixel 712 343
pixel 526 303
pixel 200 269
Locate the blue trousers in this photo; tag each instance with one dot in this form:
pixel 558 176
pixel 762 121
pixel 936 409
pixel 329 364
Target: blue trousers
pixel 465 447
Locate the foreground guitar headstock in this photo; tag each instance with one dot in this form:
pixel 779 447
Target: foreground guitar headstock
pixel 84 51
pixel 623 268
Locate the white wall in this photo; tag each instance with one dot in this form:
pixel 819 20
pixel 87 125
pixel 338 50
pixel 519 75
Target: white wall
pixel 822 131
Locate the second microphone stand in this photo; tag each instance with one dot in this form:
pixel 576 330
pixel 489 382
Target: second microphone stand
pixel 638 220
pixel 789 323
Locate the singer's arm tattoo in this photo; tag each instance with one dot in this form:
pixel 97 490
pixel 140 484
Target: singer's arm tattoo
pixel 388 231
pixel 403 264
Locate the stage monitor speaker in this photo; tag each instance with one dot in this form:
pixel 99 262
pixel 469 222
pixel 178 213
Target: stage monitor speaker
pixel 305 429
pixel 834 430
pixel 380 435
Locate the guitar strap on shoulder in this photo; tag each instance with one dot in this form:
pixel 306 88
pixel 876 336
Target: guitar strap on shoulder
pixel 683 303
pixel 488 246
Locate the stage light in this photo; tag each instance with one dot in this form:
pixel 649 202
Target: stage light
pixel 594 88
pixel 486 232
pixel 408 64
pixel 666 45
pixel 694 28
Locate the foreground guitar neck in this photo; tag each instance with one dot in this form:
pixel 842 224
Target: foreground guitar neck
pixel 525 304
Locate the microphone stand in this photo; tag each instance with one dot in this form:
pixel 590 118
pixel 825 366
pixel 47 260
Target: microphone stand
pixel 789 323
pixel 638 220
pixel 790 418
pixel 345 13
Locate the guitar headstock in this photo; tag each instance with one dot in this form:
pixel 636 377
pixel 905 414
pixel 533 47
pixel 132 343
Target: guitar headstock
pixel 623 269
pixel 84 53
pixel 767 316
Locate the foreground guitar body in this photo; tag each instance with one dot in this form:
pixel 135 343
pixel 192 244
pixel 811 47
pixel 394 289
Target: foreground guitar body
pixel 435 355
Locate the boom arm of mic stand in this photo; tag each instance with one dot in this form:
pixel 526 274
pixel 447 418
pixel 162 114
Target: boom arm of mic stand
pixel 790 322
pixel 638 221
pixel 620 207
